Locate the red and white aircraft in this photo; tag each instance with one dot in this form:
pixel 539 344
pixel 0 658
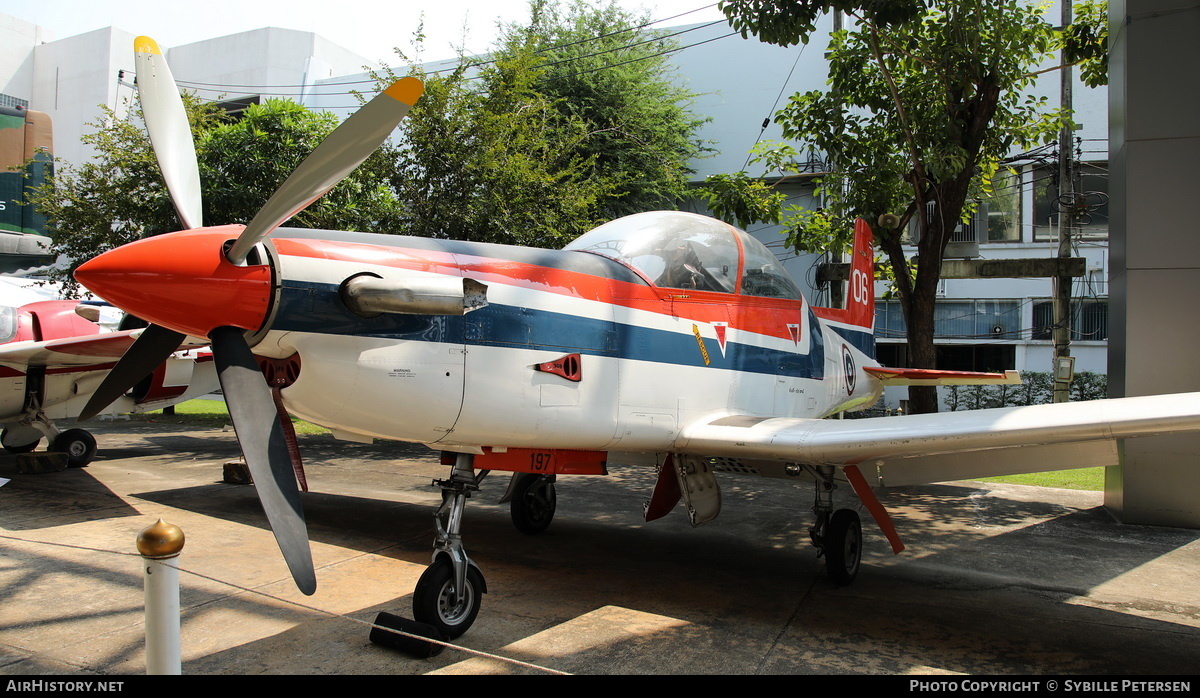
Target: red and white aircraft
pixel 53 356
pixel 666 339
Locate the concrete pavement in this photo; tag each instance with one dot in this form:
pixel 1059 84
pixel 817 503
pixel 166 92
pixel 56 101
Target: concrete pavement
pixel 996 580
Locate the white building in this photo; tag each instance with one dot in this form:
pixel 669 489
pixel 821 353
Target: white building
pixel 983 324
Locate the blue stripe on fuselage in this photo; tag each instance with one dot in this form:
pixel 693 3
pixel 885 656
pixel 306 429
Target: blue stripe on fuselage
pixel 859 339
pixel 317 308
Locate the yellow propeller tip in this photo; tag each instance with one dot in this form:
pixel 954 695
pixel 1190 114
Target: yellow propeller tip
pixel 407 90
pixel 144 44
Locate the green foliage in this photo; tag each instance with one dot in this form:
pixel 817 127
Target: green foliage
pixel 243 162
pixel 1090 479
pixel 789 22
pixel 741 199
pixel 574 120
pixel 597 64
pixel 490 159
pixel 1086 41
pixel 1037 388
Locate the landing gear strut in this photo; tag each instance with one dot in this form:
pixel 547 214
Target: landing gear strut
pixel 24 435
pixel 449 593
pixel 837 534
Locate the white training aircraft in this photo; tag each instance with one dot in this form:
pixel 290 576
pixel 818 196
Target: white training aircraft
pixel 666 339
pixel 55 353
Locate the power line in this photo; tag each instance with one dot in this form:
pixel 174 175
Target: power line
pixel 314 92
pixel 253 88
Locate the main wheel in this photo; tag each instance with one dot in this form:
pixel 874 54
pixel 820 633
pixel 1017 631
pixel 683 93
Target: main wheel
pixel 533 503
pixel 843 546
pixel 78 444
pixel 433 599
pixel 7 440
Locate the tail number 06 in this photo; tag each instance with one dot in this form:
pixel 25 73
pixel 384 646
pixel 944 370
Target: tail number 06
pixel 859 287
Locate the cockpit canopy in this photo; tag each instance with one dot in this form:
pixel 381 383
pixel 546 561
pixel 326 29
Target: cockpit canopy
pixel 674 249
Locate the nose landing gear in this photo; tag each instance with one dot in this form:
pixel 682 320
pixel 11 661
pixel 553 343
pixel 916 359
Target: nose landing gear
pixel 449 593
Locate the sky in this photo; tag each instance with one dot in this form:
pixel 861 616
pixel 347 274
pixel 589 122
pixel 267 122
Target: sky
pixel 370 28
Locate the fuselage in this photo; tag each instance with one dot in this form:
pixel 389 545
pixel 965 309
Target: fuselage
pixel 650 358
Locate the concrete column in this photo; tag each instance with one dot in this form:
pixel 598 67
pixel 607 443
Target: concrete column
pixel 1154 311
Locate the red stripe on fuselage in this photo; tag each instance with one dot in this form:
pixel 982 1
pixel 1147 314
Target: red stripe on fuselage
pixel 759 315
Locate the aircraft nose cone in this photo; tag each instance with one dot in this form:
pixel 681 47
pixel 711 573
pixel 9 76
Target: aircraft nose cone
pixel 182 281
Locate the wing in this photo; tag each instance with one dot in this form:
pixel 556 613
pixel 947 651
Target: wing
pixel 73 351
pixel 98 349
pixel 922 448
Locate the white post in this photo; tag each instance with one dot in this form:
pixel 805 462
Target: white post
pixel 159 546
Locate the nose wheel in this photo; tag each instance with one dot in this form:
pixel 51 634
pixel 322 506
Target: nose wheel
pixel 438 602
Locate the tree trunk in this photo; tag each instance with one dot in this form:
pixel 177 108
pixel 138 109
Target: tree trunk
pixel 921 351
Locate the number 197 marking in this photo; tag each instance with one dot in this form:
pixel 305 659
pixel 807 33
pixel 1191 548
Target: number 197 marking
pixel 541 461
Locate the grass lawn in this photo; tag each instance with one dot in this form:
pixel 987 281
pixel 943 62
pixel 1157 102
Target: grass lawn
pixel 213 413
pixel 1091 479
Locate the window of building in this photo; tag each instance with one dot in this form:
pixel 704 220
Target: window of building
pixel 956 319
pixel 1004 207
pixel 1090 207
pixel 1089 320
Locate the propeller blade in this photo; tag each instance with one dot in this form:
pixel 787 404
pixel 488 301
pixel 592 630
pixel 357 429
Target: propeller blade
pixel 337 156
pixel 170 133
pixel 259 432
pixel 151 348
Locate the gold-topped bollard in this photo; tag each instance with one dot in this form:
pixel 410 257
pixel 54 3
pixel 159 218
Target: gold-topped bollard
pixel 160 546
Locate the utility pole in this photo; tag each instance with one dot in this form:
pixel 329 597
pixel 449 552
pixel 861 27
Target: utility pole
pixel 1064 363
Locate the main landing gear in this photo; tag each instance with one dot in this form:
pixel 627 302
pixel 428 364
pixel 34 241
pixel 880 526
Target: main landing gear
pixel 78 444
pixel 532 501
pixel 449 593
pixel 25 434
pixel 837 534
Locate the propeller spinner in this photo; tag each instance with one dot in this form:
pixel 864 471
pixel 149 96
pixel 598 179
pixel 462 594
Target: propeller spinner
pixel 187 284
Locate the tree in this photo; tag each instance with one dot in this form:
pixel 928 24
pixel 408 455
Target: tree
pixel 925 99
pixel 118 196
pixel 485 157
pixel 571 121
pixel 601 64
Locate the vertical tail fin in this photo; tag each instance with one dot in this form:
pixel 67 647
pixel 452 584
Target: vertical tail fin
pixel 859 312
pixel 860 291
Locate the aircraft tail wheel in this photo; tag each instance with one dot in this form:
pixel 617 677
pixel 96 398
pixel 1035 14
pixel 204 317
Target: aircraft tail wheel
pixel 843 546
pixel 78 444
pixel 533 503
pixel 433 599
pixel 7 440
